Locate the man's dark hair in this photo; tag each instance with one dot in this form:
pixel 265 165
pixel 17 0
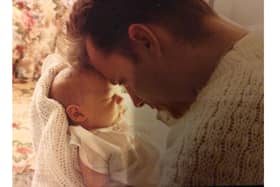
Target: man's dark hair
pixel 107 21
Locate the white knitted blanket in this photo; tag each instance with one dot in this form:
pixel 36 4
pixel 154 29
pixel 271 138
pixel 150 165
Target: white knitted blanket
pixel 56 160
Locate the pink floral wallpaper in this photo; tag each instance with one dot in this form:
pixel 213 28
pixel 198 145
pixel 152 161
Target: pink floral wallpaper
pixel 36 26
pixel 23 155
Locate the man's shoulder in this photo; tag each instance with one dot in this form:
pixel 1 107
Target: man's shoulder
pixel 252 43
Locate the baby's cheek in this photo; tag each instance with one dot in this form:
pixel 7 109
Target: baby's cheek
pixel 107 115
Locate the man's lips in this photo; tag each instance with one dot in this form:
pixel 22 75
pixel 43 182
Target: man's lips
pixel 140 104
pixel 151 105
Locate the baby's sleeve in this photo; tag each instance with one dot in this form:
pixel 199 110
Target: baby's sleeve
pixel 93 160
pixel 92 152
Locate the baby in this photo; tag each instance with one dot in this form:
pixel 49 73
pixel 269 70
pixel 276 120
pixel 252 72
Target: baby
pixel 110 152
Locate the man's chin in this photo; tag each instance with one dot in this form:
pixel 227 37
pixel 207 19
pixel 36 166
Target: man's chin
pixel 154 106
pixel 175 112
pixel 168 117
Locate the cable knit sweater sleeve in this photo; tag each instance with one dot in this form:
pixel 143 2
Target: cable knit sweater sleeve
pixel 219 141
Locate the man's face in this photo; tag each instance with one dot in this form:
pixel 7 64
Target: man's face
pixel 141 80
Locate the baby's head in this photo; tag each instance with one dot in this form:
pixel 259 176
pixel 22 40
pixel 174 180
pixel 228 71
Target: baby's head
pixel 89 100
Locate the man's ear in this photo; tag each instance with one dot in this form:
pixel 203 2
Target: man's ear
pixel 75 114
pixel 144 39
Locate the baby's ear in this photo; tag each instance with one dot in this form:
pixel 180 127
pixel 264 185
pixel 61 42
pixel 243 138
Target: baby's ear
pixel 75 114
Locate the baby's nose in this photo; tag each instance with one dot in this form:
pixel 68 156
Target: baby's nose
pixel 118 99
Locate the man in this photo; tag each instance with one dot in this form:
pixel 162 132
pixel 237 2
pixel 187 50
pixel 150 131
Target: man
pixel 202 73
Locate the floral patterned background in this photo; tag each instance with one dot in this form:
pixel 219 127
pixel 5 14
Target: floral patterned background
pixel 23 156
pixel 37 25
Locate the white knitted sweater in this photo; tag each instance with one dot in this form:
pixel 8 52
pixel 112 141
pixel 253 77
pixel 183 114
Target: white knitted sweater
pixel 219 141
pixel 56 160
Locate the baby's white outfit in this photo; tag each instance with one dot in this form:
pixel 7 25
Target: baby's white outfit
pixel 120 152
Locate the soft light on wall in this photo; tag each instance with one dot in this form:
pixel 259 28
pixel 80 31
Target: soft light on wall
pixel 244 12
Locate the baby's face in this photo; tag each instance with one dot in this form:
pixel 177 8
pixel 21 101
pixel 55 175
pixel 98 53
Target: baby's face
pixel 101 102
